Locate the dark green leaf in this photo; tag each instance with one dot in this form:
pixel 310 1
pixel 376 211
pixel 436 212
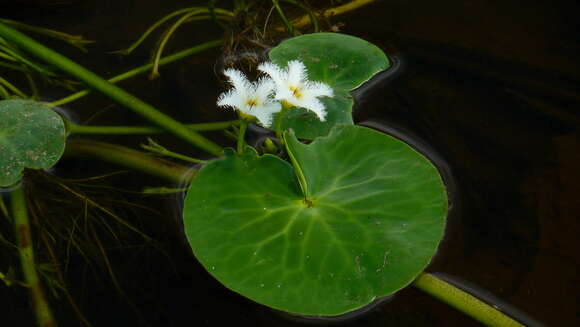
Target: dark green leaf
pixel 372 221
pixel 32 135
pixel 342 61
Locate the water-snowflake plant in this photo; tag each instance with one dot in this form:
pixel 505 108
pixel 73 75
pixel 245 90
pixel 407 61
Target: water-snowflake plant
pixel 249 98
pixel 293 86
pixel 289 86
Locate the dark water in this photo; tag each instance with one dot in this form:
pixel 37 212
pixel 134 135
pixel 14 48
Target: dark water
pixel 492 87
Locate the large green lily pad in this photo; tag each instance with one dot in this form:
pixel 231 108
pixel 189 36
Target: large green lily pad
pixel 374 217
pixel 342 61
pixel 32 135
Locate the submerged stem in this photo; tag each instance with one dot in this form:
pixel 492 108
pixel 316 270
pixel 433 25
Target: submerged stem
pixel 141 130
pixel 115 93
pixel 166 38
pixel 12 88
pixel 130 158
pixel 464 302
pixel 167 18
pixel 159 150
pixel 334 11
pixel 26 251
pixel 289 26
pixel 142 69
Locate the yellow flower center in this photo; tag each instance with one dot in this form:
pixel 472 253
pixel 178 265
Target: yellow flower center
pixel 253 102
pixel 296 91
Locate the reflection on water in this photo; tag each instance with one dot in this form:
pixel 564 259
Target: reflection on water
pixel 491 87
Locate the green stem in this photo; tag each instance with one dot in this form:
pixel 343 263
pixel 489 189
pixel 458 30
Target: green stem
pixel 4 94
pixel 3 208
pixel 27 62
pixel 130 158
pixel 32 84
pixel 12 66
pixel 464 302
pixel 42 310
pixel 159 150
pixel 75 40
pixel 162 21
pixel 165 39
pixel 143 130
pixel 309 12
pixel 330 12
pixel 12 88
pixel 142 69
pixel 289 26
pixel 242 136
pixel 278 122
pixel 115 93
pixel 298 172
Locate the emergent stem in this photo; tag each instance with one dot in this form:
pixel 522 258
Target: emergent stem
pixel 115 93
pixel 42 310
pixel 242 136
pixel 464 302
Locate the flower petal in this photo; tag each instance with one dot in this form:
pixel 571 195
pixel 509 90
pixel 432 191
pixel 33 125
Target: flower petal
pixel 264 88
pixel 266 112
pixel 296 72
pixel 275 72
pixel 318 89
pixel 230 98
pixel 314 105
pixel 238 80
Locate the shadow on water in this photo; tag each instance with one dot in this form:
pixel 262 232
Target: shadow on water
pixel 491 88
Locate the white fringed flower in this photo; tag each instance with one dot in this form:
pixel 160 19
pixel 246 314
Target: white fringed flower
pixel 293 86
pixel 250 98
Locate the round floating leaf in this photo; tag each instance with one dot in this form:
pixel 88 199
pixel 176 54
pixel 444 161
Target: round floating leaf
pixel 372 221
pixel 341 61
pixel 32 135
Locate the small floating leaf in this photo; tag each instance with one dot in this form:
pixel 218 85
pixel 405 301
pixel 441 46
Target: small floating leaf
pixel 32 135
pixel 372 222
pixel 342 61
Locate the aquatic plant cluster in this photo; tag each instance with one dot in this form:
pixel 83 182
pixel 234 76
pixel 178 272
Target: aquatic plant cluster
pixel 338 216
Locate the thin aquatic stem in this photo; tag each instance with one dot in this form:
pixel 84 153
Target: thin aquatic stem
pixel 145 130
pixel 159 150
pixel 4 94
pixel 119 95
pixel 3 208
pixel 289 26
pixel 241 143
pixel 5 55
pixel 75 40
pixel 126 157
pixel 142 69
pixel 22 59
pixel 308 11
pixel 165 39
pixel 13 66
pixel 334 11
pixel 32 85
pixel 152 28
pixel 464 302
pixel 164 19
pixel 25 245
pixel 279 118
pixel 12 88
